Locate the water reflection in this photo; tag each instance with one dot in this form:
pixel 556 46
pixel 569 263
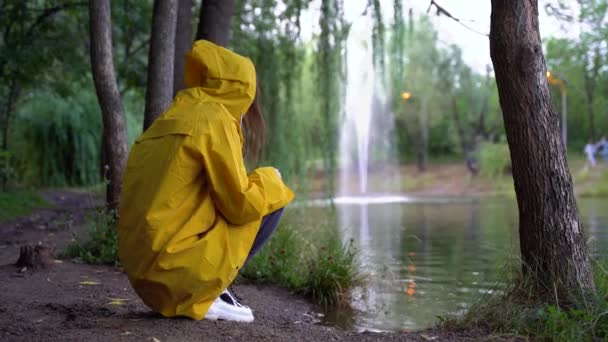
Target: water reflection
pixel 430 259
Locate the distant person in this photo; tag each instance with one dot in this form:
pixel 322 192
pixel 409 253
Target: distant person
pixel 602 148
pixel 190 215
pixel 590 150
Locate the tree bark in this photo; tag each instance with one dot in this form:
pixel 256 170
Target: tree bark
pixel 552 241
pixel 159 89
pixel 114 126
pixel 183 42
pixel 215 21
pixel 9 107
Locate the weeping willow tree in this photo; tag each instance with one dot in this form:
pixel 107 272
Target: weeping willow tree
pixel 378 37
pixel 329 63
pixel 271 38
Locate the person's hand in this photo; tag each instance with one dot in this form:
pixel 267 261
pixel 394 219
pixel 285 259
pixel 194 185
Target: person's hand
pixel 278 173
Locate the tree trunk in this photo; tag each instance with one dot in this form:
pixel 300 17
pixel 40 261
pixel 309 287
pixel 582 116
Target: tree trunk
pixel 215 21
pixel 9 107
pixel 552 242
pixel 183 42
pixel 114 126
pixel 159 89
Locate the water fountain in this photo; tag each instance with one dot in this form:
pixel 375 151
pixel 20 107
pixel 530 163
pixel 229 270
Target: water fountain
pixel 365 133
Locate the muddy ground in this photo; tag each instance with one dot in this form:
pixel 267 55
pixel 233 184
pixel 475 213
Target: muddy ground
pixel 69 301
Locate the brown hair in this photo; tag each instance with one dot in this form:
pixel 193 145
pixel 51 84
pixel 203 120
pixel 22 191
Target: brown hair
pixel 254 129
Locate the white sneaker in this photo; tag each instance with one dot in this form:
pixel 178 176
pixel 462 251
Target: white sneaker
pixel 227 307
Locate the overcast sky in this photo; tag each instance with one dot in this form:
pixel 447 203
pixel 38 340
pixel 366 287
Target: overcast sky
pixel 473 13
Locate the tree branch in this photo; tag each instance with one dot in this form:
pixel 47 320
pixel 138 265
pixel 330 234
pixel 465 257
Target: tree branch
pixel 48 12
pixel 443 11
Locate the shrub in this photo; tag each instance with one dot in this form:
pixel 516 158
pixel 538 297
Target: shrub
pixel 100 246
pixel 494 160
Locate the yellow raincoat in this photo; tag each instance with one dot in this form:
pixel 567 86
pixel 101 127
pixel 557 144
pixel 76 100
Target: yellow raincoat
pixel 189 212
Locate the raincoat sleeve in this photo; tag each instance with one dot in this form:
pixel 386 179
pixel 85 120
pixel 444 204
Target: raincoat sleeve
pixel 241 198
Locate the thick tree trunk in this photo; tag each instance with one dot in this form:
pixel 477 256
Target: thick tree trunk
pixel 183 42
pixel 114 126
pixel 159 89
pixel 552 241
pixel 215 21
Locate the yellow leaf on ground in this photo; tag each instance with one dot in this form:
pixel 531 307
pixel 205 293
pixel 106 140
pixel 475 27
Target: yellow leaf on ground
pixel 88 283
pixel 117 302
pixel 154 339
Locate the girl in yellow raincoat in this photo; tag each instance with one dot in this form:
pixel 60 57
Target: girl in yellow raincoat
pixel 190 215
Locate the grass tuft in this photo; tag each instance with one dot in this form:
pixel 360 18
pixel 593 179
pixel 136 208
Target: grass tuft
pixel 307 255
pixel 100 246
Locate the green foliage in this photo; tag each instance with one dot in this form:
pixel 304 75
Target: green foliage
pixel 271 39
pixel 279 261
pixel 57 140
pixel 20 203
pixel 580 64
pixel 100 246
pixel 7 171
pixel 494 160
pixel 318 265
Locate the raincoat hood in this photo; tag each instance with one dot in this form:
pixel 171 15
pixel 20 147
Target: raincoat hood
pixel 221 75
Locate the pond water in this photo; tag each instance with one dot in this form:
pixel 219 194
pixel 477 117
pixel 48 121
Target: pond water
pixel 430 258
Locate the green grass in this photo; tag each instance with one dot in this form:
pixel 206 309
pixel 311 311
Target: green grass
pixel 306 255
pixel 100 245
pixel 592 182
pixel 19 203
pixel 510 311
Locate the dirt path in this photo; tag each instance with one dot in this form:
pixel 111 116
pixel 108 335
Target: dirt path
pixel 76 302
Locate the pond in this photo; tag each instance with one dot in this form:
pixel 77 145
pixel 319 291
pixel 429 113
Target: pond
pixel 429 258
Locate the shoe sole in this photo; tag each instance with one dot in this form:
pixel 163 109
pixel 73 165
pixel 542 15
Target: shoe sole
pixel 228 314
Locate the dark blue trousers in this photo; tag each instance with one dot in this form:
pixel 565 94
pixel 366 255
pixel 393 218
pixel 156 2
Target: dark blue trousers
pixel 267 227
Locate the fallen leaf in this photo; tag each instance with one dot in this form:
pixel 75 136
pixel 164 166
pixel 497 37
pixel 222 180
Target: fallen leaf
pixel 126 333
pixel 58 261
pixel 88 283
pixel 117 301
pixel 428 338
pixel 155 339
